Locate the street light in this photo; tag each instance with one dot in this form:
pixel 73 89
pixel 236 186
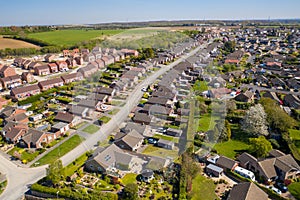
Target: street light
pixel 57 194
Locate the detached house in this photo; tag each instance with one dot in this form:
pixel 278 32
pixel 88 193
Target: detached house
pixel 247 191
pixel 34 139
pixel 51 83
pixel 53 67
pixel 7 71
pixel 131 141
pixel 72 77
pixel 42 70
pixel 11 81
pixel 49 57
pixel 246 97
pixel 28 77
pixel 88 70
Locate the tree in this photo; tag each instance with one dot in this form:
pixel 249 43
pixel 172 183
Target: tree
pixel 280 121
pixel 229 46
pixel 255 122
pixel 130 191
pixel 55 172
pixel 260 146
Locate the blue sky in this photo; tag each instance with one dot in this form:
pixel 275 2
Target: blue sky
pixel 34 12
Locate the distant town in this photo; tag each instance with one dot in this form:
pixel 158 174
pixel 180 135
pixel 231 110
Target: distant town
pixel 208 111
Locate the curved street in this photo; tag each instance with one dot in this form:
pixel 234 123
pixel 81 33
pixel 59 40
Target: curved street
pixel 19 178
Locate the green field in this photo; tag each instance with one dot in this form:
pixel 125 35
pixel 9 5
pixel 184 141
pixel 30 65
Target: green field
pixel 231 148
pixel 76 164
pixel 203 188
pixel 61 150
pixel 294 134
pixel 294 189
pixel 206 122
pixel 166 137
pixel 129 178
pixel 71 37
pixel 91 129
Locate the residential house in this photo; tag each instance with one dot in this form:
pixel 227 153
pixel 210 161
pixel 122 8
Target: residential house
pixel 69 78
pixel 20 118
pixel 26 91
pixel 174 132
pixel 34 64
pixel 278 82
pixel 66 53
pixel 34 139
pixel 129 52
pixel 131 141
pixel 11 81
pixel 79 60
pixel 53 67
pixel 19 62
pixel 166 144
pixel 3 102
pixel 106 90
pixel 262 80
pixel 100 63
pixel 36 117
pixel 71 62
pixel 42 70
pixel 246 97
pixel 110 160
pixel 226 163
pixel 247 191
pixel 13 132
pixel 60 128
pixel 97 55
pixel 160 101
pixel 292 100
pixel 142 118
pixel 49 57
pixel 10 111
pixel 142 129
pixel 88 70
pixel 90 57
pixel 108 60
pixel 271 95
pixel 28 77
pixel 51 83
pixel 89 103
pixel 293 83
pixel 80 111
pixel 102 98
pixel 133 79
pixel 120 85
pixel 7 71
pixel 214 170
pixel 67 117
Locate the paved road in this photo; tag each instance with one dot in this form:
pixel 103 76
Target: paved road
pixel 19 178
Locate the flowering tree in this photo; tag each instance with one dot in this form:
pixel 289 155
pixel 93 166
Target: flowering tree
pixel 255 122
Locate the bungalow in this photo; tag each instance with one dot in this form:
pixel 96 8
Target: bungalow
pixel 226 163
pixel 246 97
pixel 80 111
pixel 106 90
pixel 28 77
pixel 174 132
pixel 144 130
pixel 142 118
pixel 42 70
pixel 12 132
pixel 120 85
pixel 110 161
pixel 89 103
pixel 60 127
pixel 88 70
pixel 166 144
pixel 21 118
pixel 292 101
pixel 53 67
pixel 72 77
pixel 213 170
pixel 34 139
pixel 131 141
pixel 102 98
pixel 51 83
pixel 160 101
pixel 68 118
pixel 247 191
pixel 7 71
pixel 133 79
pixel 23 92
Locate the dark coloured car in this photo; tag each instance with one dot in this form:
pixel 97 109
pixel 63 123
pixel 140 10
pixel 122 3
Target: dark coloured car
pixel 281 187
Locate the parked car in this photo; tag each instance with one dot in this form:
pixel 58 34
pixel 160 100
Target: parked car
pixel 144 89
pixel 152 140
pixel 276 190
pixel 282 187
pixel 161 130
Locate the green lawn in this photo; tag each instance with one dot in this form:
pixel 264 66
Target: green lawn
pixel 91 129
pixel 105 119
pixel 114 111
pixel 203 188
pixel 166 137
pixel 76 164
pixel 26 155
pixel 206 122
pixel 80 125
pixel 294 134
pixel 61 150
pixel 160 152
pixel 129 178
pixel 294 189
pixel 71 37
pixel 231 148
pixel 200 86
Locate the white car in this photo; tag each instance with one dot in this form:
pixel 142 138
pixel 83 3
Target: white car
pixel 144 89
pixel 274 189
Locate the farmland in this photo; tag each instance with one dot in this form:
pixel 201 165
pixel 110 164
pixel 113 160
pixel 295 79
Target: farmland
pixel 15 44
pixel 71 37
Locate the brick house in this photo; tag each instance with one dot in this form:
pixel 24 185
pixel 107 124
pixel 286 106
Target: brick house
pixel 72 77
pixel 6 71
pixel 48 84
pixel 11 81
pixel 23 92
pixel 28 77
pixel 53 67
pixel 88 70
pixel 42 70
pixel 62 65
pixel 49 57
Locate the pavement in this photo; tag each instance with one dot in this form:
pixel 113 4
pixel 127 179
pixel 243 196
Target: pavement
pixel 20 178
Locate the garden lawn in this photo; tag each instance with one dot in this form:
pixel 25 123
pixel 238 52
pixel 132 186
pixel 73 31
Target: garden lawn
pixel 71 37
pixel 231 148
pixel 60 151
pixel 129 178
pixel 294 134
pixel 91 129
pixel 26 156
pixel 105 119
pixel 206 122
pixel 80 125
pixel 203 188
pixel 114 111
pixel 76 164
pixel 160 152
pixel 294 189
